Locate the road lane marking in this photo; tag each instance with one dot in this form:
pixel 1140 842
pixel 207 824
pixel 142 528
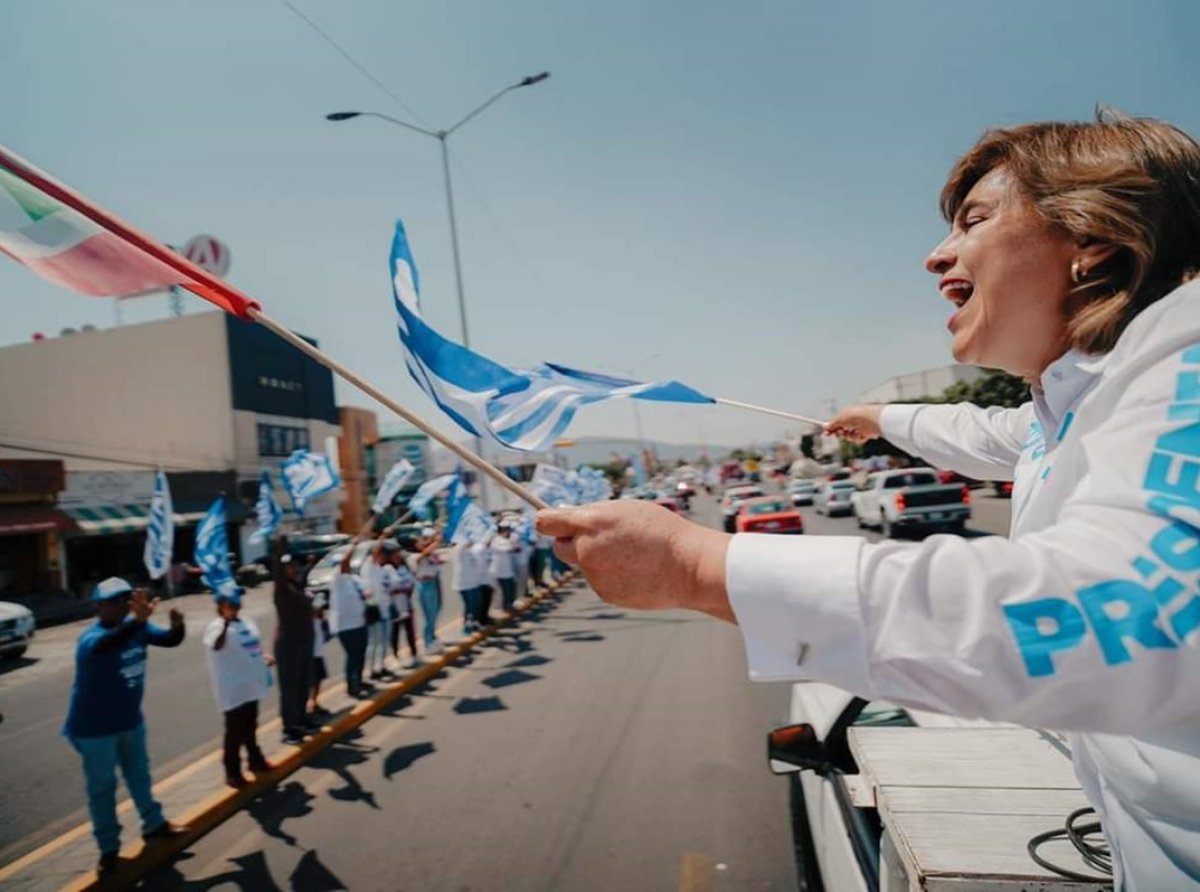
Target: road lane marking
pixel 696 872
pixel 166 783
pixel 222 801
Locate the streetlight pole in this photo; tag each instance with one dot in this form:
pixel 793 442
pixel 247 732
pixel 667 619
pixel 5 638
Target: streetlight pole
pixel 442 136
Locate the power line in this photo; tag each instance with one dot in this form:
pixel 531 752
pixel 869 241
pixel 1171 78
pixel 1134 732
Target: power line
pixel 358 65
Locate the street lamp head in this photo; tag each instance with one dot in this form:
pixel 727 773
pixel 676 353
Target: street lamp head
pixel 534 79
pixel 341 116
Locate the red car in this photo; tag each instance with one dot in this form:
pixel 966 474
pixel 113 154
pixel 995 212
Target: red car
pixel 769 514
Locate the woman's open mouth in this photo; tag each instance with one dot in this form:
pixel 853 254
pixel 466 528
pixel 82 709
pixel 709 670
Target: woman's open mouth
pixel 958 292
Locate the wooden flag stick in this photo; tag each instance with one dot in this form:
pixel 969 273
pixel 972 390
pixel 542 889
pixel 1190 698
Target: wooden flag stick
pixel 764 410
pixel 476 461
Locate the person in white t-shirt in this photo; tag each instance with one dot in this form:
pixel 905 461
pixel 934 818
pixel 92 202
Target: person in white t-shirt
pixel 502 552
pixel 240 678
pixel 401 585
pixel 426 566
pixel 470 575
pixel 376 574
pixel 348 620
pixel 320 672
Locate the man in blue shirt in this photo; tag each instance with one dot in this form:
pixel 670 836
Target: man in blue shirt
pixel 104 720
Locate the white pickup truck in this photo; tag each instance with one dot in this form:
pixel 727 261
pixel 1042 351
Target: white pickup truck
pixel 885 799
pixel 911 498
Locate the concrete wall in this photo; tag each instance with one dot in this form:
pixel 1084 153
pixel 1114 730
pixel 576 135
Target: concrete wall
pixel 915 385
pixel 138 395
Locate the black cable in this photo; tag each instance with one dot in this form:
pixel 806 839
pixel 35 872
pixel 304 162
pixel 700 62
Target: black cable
pixel 1095 855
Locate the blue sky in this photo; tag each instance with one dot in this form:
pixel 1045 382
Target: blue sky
pixel 739 196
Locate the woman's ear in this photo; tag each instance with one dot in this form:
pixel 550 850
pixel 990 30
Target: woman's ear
pixel 1090 254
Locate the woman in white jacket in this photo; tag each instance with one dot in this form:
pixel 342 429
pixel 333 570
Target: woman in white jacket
pixel 1068 258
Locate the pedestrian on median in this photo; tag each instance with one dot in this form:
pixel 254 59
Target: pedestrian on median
pixel 348 620
pixel 104 719
pixel 293 643
pixel 320 672
pixel 375 574
pixel 1071 261
pixel 401 584
pixel 426 566
pixel 502 553
pixel 470 575
pixel 240 678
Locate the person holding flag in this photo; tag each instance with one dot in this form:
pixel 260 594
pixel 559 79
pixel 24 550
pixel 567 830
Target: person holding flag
pixel 240 678
pixel 426 566
pixel 348 619
pixel 104 719
pixel 377 577
pixel 294 643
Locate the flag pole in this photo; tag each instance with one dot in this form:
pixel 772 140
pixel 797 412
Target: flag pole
pixel 764 410
pixel 476 461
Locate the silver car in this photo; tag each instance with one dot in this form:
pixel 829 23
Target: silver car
pixel 801 492
pixel 833 498
pixel 16 629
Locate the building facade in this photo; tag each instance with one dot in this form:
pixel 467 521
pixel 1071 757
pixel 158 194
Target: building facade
pixel 360 430
pixel 917 385
pixel 210 399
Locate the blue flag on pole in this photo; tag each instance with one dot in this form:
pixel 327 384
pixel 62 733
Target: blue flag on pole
pixel 521 409
pixel 392 484
pixel 307 475
pixel 160 534
pixel 466 521
pixel 212 550
pixel 427 492
pixel 267 510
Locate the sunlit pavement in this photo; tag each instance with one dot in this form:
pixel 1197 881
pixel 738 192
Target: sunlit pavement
pixel 588 748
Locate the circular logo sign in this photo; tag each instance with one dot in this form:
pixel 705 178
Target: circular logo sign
pixel 208 253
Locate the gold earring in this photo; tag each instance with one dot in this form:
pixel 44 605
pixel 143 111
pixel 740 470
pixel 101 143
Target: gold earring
pixel 1078 273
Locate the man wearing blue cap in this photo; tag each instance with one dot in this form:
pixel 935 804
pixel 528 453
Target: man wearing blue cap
pixel 104 720
pixel 240 679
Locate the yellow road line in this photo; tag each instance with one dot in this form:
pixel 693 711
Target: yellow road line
pixel 220 806
pixel 696 872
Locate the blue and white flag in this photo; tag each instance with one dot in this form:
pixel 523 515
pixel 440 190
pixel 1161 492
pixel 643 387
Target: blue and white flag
pixel 465 521
pixel 553 485
pixel 307 475
pixel 520 409
pixel 399 475
pixel 595 485
pixel 212 550
pixel 267 509
pixel 160 534
pixel 427 492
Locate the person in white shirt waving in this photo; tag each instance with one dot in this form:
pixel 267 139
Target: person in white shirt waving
pixel 1069 262
pixel 240 679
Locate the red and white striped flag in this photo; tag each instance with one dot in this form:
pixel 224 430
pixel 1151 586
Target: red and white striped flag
pixel 70 241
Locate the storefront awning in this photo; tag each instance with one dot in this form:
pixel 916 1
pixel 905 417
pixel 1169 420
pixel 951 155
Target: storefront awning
pixel 18 519
pixel 112 519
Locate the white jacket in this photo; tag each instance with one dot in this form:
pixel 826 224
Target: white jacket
pixel 1086 619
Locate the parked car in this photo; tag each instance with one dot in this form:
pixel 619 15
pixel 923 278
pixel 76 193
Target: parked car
pixel 769 514
pixel 731 503
pixel 320 577
pixel 801 492
pixel 833 498
pixel 316 546
pixel 16 629
pixel 911 498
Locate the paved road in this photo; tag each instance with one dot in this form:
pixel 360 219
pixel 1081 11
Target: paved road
pixel 40 782
pixel 595 748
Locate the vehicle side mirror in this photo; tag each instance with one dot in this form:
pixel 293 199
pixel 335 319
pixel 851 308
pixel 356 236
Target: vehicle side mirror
pixel 793 748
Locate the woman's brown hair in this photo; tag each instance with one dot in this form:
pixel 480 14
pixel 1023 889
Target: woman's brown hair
pixel 1129 182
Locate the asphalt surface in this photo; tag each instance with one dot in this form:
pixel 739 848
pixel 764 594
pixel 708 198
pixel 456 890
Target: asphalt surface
pixel 592 748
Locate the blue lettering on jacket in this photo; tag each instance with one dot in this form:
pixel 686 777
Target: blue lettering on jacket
pixel 1121 612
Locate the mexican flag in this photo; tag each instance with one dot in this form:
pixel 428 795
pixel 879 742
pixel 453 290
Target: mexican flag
pixel 68 240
